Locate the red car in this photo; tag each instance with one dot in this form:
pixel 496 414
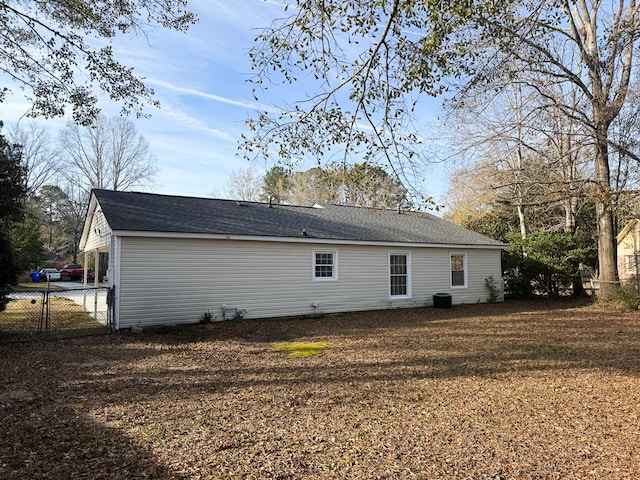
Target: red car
pixel 74 271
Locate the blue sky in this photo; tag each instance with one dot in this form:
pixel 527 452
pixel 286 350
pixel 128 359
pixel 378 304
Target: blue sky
pixel 200 79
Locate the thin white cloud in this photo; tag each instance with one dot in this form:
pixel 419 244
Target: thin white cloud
pixel 196 124
pixel 242 16
pixel 211 96
pixel 276 4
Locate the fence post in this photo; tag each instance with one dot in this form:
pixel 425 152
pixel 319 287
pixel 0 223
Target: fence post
pixel 111 305
pixel 44 313
pixel 95 302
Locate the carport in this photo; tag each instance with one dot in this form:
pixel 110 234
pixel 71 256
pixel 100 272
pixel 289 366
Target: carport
pixel 97 250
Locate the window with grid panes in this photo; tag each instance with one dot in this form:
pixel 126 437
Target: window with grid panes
pixel 324 266
pixel 398 275
pixel 458 271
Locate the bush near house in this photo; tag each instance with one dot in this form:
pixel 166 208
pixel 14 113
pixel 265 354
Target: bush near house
pixel 546 264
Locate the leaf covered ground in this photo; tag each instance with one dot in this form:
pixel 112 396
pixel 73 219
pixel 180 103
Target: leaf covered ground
pixel 517 390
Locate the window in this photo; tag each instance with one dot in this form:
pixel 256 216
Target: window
pixel 325 265
pixel 399 275
pixel 458 270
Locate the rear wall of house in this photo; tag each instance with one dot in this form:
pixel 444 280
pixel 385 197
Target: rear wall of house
pixel 170 281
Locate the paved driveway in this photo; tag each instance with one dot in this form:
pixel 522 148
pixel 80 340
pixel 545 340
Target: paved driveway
pixel 93 300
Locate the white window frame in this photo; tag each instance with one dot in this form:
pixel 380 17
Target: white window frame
pixel 334 277
pixel 465 269
pixel 408 257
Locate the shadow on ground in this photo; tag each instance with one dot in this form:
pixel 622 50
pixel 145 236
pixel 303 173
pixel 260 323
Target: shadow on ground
pixel 57 398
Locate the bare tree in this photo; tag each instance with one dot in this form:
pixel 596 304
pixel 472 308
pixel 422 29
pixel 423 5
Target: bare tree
pixel 362 185
pixel 110 154
pixel 317 185
pixel 625 172
pixel 525 152
pixel 564 156
pixel 245 184
pixel 373 59
pixel 72 214
pixel 586 47
pixel 39 156
pixel 51 204
pixel 496 131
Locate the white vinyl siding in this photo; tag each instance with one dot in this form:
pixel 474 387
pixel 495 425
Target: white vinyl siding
pixel 630 264
pixel 169 281
pixel 431 273
pixel 99 235
pixel 173 281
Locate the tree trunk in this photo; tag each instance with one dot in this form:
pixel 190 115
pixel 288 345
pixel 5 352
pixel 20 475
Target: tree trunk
pixel 608 273
pixel 523 222
pixel 577 286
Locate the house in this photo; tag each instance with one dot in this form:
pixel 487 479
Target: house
pixel 171 259
pixel 628 242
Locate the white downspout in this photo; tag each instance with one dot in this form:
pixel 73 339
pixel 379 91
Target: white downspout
pixel 116 281
pixel 84 280
pixel 96 274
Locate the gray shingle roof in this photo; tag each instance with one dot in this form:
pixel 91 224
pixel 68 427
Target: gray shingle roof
pixel 146 212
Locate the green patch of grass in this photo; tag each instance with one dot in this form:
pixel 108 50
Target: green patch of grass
pixel 300 349
pixel 65 313
pixel 38 286
pixel 20 311
pixel 30 284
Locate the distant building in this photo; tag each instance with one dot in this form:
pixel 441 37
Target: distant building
pixel 629 251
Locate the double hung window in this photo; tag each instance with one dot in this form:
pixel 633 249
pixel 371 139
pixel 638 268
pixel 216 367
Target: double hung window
pixel 399 275
pixel 458 270
pixel 325 265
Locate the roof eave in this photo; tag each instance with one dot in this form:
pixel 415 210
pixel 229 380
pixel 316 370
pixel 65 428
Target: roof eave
pixel 93 203
pixel 281 239
pixel 627 228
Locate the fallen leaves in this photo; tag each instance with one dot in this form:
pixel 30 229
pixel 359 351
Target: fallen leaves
pixel 505 391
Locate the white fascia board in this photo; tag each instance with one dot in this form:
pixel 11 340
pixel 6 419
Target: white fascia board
pixel 93 202
pixel 256 238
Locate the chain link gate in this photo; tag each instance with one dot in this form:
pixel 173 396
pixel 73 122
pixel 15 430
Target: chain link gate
pixel 42 314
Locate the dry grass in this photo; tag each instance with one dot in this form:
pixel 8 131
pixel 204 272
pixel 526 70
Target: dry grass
pixel 21 320
pixel 21 311
pixel 520 390
pixel 25 309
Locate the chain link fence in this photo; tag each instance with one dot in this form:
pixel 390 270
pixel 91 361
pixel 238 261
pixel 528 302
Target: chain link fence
pixel 32 314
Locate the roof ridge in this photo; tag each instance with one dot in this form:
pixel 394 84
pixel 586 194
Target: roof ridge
pixel 236 200
pixel 191 197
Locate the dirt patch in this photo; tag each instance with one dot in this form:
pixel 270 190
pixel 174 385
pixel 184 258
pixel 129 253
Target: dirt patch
pixel 16 396
pixel 518 390
pixel 94 363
